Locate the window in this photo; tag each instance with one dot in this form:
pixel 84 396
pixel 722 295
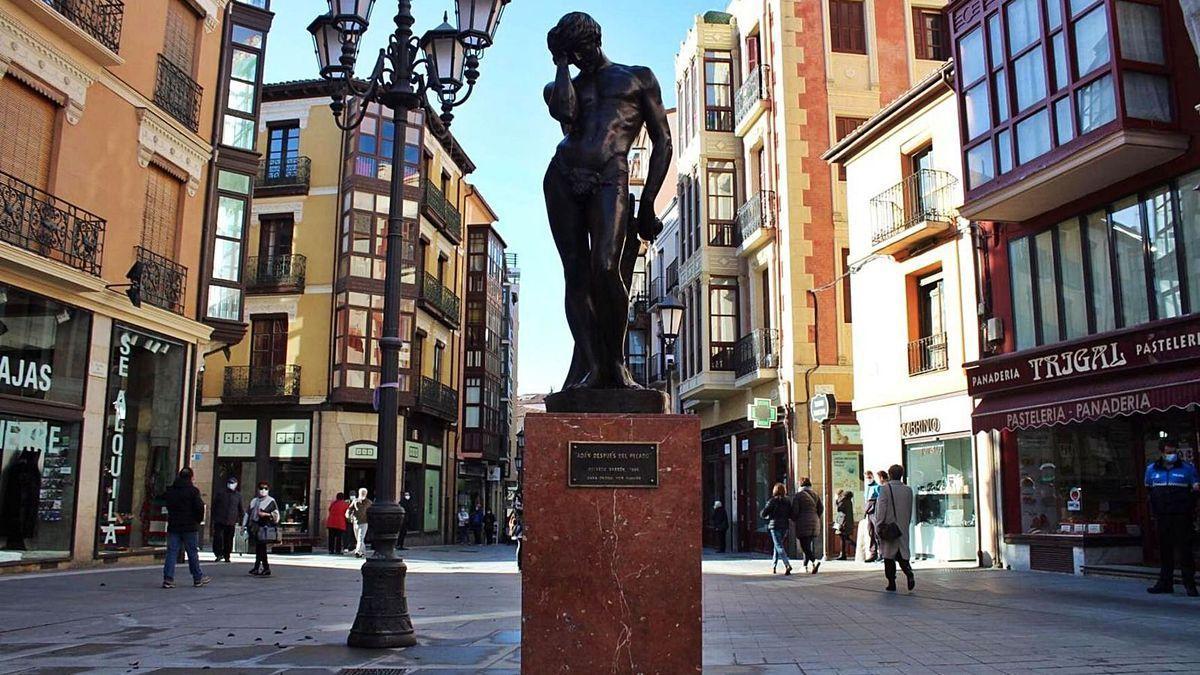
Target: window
pixel 931 36
pixel 718 91
pixel 283 150
pixel 722 197
pixel 927 351
pixel 239 128
pixel 26 133
pixel 439 355
pixel 1022 293
pixel 179 39
pixel 753 55
pixel 358 326
pixel 723 322
pixel 842 128
pixel 847 26
pixel 268 345
pixel 846 304
pixel 160 219
pixel 1129 245
pixel 229 235
pixel 374 141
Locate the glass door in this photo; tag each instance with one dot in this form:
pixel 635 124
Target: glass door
pixel 942 476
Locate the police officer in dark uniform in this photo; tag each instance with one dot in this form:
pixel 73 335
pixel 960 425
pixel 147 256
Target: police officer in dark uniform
pixel 1173 485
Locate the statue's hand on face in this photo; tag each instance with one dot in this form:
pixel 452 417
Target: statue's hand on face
pixel 648 225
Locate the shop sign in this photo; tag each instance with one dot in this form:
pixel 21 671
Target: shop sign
pixel 433 456
pixel 926 427
pixel 821 407
pixel 237 438
pixel 43 347
pixel 111 517
pixel 762 413
pixel 362 451
pixel 413 452
pixel 289 438
pixel 1075 503
pixel 845 434
pixel 1178 340
pixel 21 374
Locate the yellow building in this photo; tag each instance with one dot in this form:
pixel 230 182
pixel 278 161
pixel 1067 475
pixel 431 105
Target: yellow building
pixel 293 404
pixel 763 90
pixel 113 122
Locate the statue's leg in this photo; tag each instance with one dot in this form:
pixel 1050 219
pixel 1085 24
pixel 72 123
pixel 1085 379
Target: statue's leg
pixel 568 226
pixel 607 224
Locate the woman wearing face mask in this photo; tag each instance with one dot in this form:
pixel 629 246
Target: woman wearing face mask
pixel 262 517
pixel 226 512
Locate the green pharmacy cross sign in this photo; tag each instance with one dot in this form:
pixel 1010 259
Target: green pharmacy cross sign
pixel 762 413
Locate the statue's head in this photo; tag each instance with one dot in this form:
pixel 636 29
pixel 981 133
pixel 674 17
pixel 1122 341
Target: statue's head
pixel 577 35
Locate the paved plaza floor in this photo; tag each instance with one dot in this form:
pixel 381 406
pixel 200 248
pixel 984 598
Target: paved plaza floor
pixel 465 603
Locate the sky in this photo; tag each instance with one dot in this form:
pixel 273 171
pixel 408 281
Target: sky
pixel 506 130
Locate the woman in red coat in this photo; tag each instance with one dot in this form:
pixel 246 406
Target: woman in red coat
pixel 336 522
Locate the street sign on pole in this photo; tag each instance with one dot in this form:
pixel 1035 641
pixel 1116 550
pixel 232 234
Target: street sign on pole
pixel 762 413
pixel 821 407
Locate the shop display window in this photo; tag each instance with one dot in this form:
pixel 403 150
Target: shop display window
pixel 43 347
pixel 140 456
pixel 942 475
pixel 289 466
pixel 39 462
pixel 1079 479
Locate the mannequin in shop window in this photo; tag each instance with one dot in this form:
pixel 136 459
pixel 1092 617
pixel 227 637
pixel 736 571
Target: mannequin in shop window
pixel 21 489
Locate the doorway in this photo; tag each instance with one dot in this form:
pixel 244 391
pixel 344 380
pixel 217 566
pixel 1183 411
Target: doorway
pixel 268 353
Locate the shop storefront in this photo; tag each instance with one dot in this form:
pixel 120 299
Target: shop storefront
pixel 1078 421
pixel 43 368
pixel 761 458
pixel 277 450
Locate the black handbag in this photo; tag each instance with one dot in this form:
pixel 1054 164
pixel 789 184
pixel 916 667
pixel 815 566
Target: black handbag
pixel 890 531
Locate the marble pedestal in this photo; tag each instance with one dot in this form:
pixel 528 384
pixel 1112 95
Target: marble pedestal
pixel 611 576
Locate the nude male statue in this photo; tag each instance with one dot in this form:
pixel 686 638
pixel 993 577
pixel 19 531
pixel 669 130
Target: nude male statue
pixel 601 110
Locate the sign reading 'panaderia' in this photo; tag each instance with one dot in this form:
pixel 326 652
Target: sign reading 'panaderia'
pixel 612 465
pixel 1174 341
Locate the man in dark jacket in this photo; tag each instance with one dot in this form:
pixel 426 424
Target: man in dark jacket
pixel 720 523
pixel 1172 484
pixel 185 512
pixel 410 515
pixel 227 513
pixel 807 510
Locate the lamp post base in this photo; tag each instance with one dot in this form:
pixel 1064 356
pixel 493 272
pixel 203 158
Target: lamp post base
pixel 382 621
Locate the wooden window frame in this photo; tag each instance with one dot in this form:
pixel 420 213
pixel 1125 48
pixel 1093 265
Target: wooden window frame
pixel 923 47
pixel 718 117
pixel 843 126
pixel 847 35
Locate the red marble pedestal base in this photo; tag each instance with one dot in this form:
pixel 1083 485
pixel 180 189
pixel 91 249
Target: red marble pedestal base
pixel 611 576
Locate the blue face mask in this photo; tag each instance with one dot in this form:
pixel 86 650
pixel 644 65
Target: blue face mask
pixel 1170 458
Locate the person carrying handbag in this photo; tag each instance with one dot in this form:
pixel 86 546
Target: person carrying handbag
pixel 892 518
pixel 263 519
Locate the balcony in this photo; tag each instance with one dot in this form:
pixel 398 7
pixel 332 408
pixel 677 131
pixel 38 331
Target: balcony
pixel 927 354
pixel 723 234
pixel 673 276
pixel 911 213
pixel 756 357
pixel 276 274
pixel 440 301
pixel 438 400
pixel 43 224
pixel 639 310
pixel 283 177
pixel 756 220
pixel 708 385
pixel 163 280
pixel 639 369
pixel 91 26
pixel 749 102
pixel 178 94
pixel 261 384
pixel 442 212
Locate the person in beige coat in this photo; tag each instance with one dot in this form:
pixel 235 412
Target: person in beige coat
pixel 895 505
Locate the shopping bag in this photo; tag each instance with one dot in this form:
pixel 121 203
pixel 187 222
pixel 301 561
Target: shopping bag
pixel 241 540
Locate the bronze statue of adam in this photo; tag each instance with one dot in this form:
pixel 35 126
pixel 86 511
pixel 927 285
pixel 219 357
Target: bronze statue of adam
pixel 602 111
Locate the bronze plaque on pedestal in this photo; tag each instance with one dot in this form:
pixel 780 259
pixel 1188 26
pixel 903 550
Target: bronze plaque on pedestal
pixel 612 465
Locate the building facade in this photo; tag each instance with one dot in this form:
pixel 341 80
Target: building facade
pixel 1080 160
pixel 763 246
pixel 294 403
pixel 914 300
pixel 108 134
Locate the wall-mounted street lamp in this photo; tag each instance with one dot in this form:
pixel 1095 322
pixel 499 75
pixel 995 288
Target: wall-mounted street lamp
pixel 443 63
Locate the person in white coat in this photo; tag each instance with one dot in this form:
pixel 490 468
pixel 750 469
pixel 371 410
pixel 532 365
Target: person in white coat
pixel 895 505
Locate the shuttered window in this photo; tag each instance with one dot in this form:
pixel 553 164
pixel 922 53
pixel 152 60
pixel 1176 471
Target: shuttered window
pixel 847 26
pixel 26 132
pixel 179 42
pixel 161 219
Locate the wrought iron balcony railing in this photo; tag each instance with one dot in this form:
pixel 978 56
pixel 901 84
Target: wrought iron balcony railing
pixel 283 172
pixel 445 216
pixel 439 300
pixel 163 280
pixel 927 354
pixel 758 349
pixel 178 94
pixel 437 399
pixel 101 19
pixel 44 224
pixel 263 383
pixel 721 356
pixel 756 214
pixel 639 305
pixel 639 368
pixel 276 273
pixel 922 196
pixel 748 95
pixel 723 233
pixel 672 276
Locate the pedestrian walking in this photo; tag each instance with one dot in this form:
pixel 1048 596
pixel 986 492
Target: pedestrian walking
pixel 893 516
pixel 262 517
pixel 185 512
pixel 489 527
pixel 777 513
pixel 410 515
pixel 512 526
pixel 464 520
pixel 477 525
pixel 518 534
pixel 226 514
pixel 872 496
pixel 336 524
pixel 358 517
pixel 807 510
pixel 843 521
pixel 720 523
pixel 1173 485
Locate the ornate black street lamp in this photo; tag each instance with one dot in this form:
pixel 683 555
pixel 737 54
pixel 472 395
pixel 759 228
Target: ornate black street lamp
pixel 450 60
